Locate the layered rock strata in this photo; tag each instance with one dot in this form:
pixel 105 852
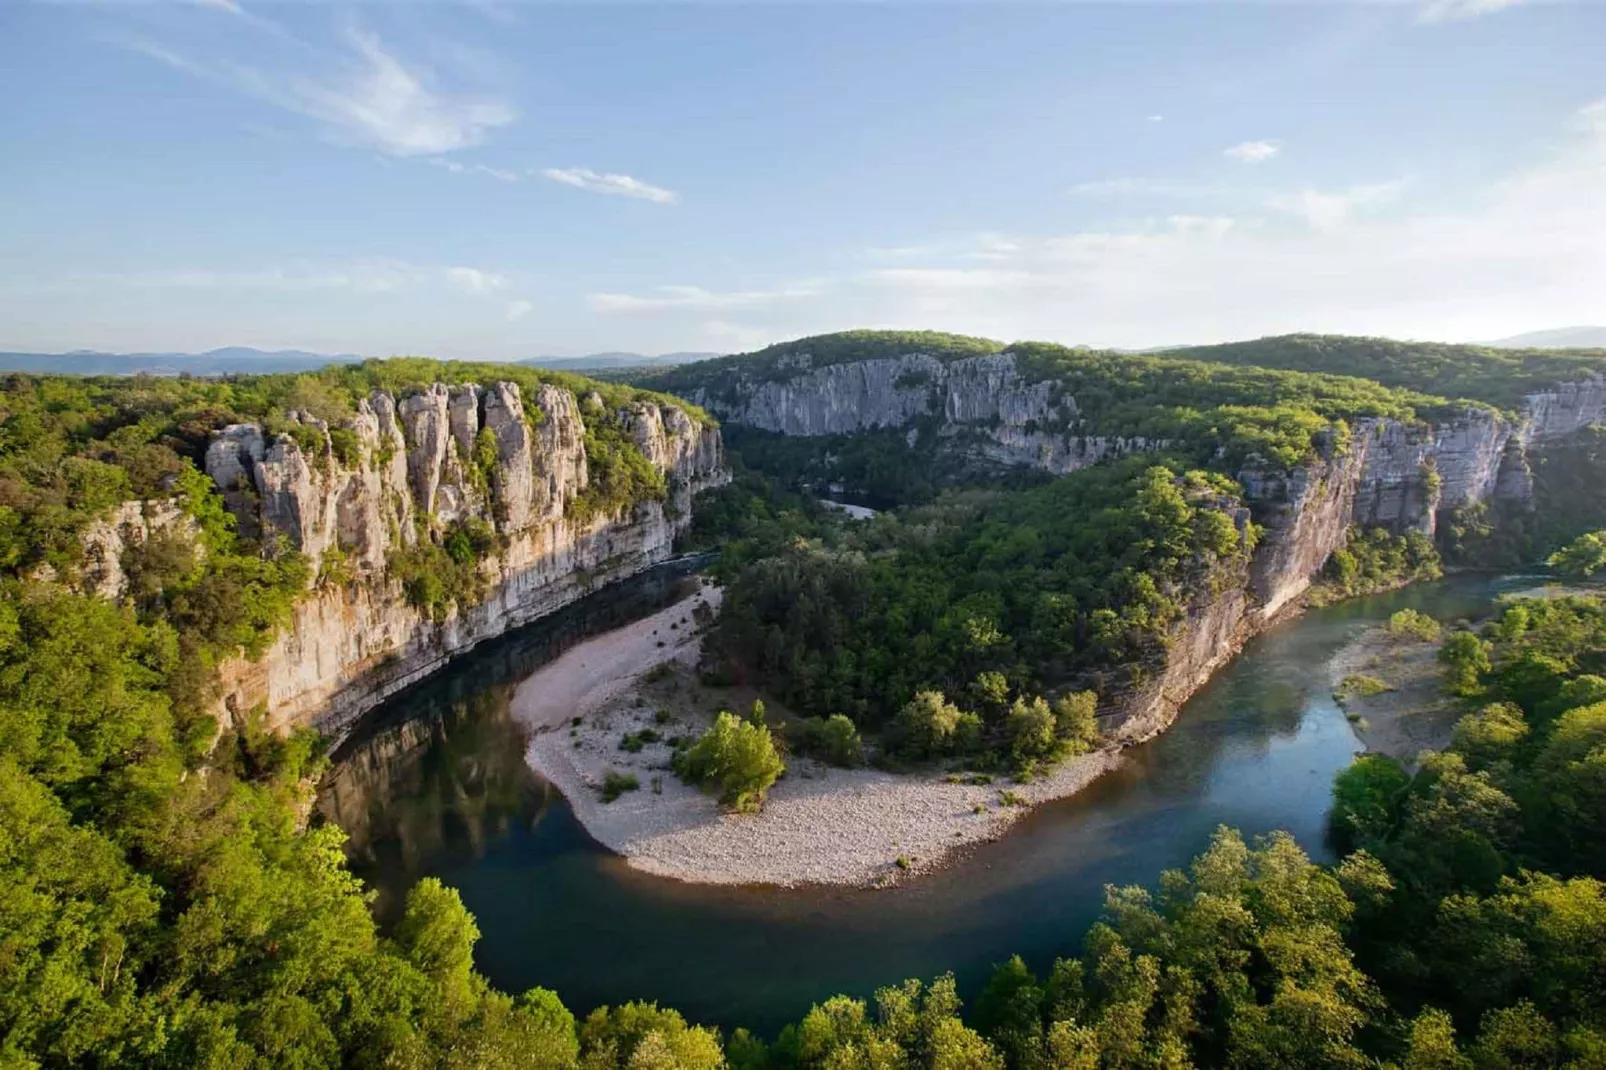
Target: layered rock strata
pixel 425 463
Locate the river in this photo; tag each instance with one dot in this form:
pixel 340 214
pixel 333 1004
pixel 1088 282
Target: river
pixel 435 783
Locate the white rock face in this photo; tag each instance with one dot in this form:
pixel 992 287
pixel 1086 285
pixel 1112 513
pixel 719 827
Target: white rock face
pixel 348 648
pixel 129 525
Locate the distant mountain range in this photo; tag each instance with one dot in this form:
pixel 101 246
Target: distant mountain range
pixel 234 360
pixel 1560 338
pixel 610 361
pixel 226 361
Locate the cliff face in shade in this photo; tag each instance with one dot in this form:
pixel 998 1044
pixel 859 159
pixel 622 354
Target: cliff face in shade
pixel 428 461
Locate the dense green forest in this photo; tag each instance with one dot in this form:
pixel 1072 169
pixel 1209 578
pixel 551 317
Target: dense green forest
pixel 70 448
pixel 1500 377
pixel 1073 582
pixel 164 901
pixel 1218 415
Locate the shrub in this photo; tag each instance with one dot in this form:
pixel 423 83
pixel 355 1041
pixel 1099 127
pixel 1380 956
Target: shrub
pixel 1363 685
pixel 1030 728
pixel 1076 720
pixel 1584 556
pixel 735 757
pixel 927 725
pixel 834 740
pixel 616 784
pixel 635 741
pixel 1409 624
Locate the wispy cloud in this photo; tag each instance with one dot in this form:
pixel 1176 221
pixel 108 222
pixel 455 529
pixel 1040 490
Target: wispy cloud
pixel 1528 250
pixel 517 310
pixel 1252 151
pixel 1456 10
pixel 475 281
pixel 616 185
pixel 367 96
pixel 1330 211
pixel 501 174
pixel 697 299
pixel 1156 118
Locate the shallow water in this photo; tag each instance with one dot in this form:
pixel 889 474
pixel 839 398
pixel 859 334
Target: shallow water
pixel 434 783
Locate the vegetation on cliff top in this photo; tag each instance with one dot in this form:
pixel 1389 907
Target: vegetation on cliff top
pixel 72 448
pixel 1502 377
pixel 1219 414
pixel 981 596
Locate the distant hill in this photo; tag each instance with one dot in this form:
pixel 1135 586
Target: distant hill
pixel 1560 338
pixel 226 361
pixel 613 361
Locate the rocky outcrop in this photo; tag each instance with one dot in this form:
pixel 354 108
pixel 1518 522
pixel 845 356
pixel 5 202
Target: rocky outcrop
pixel 421 467
pixel 108 541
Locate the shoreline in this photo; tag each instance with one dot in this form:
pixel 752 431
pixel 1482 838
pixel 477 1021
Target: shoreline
pixel 1413 715
pixel 831 826
pixel 820 825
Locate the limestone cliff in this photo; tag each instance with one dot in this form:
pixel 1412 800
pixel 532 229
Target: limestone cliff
pixel 1377 472
pixel 423 464
pixel 1399 476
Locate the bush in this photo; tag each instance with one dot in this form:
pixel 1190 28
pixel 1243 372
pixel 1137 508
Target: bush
pixel 927 725
pixel 1363 685
pixel 616 784
pixel 1465 658
pixel 1584 556
pixel 635 741
pixel 834 740
pixel 1409 624
pixel 737 758
pixel 1076 720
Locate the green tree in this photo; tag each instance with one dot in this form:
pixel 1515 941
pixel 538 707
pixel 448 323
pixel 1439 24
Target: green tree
pixel 736 758
pixel 927 725
pixel 1584 556
pixel 1465 658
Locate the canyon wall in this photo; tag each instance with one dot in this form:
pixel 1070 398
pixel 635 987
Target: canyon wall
pixel 1389 474
pixel 425 465
pixel 1382 473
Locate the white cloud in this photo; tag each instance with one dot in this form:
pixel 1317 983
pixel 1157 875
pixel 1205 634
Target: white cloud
pixel 1252 151
pixel 517 310
pixel 372 99
pixel 616 185
pixel 501 174
pixel 474 281
pixel 1329 211
pixel 1531 249
pixel 1156 118
pixel 697 299
pixel 1455 10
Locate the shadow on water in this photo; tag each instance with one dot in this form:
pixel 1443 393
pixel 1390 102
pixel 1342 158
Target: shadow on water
pixel 436 784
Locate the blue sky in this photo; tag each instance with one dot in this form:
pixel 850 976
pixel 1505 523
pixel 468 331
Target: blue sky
pixel 508 180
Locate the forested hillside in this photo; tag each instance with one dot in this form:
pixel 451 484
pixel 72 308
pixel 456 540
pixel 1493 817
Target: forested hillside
pixel 1498 376
pixel 164 901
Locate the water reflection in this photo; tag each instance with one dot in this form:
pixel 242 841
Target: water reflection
pixel 437 775
pixel 438 785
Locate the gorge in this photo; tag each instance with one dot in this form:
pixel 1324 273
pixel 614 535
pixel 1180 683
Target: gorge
pixel 209 581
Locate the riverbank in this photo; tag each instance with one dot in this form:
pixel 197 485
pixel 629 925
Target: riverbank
pixel 636 687
pixel 1391 690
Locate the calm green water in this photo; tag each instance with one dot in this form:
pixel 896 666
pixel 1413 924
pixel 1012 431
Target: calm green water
pixel 435 783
